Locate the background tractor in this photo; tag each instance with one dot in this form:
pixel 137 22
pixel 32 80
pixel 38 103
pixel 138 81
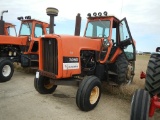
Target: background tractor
pixel 23 48
pixel 7 28
pixel 146 101
pixel 106 52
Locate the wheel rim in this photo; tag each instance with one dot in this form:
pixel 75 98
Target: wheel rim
pixel 48 84
pixel 94 95
pixel 130 73
pixel 6 70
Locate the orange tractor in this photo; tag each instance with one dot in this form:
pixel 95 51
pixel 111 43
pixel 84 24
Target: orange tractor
pixel 7 28
pixel 106 52
pixel 146 101
pixel 22 49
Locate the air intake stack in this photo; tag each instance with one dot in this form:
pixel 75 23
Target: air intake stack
pixel 52 12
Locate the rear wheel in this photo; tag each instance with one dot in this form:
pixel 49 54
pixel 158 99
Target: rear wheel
pixel 43 85
pixel 88 93
pixel 123 70
pixel 6 70
pixel 152 83
pixel 140 105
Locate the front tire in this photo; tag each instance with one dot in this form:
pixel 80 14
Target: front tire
pixel 88 93
pixel 140 105
pixel 43 85
pixel 6 70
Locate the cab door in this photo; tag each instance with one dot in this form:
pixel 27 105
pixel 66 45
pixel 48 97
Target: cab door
pixel 126 41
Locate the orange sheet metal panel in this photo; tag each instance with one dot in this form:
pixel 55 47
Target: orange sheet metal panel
pixel 13 40
pixel 70 47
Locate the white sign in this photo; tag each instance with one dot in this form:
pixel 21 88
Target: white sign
pixel 70 66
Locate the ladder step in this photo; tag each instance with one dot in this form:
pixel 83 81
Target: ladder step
pixel 112 73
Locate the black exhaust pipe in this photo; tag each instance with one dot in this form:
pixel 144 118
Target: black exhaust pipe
pixel 2 23
pixel 77 25
pixel 52 12
pixel 4 11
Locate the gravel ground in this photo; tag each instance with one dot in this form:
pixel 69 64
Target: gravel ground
pixel 20 101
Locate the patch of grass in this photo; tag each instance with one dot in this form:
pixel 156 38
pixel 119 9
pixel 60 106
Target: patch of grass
pixel 142 57
pixel 124 91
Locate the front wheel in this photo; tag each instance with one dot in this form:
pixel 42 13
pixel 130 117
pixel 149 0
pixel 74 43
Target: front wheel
pixel 43 85
pixel 88 93
pixel 140 105
pixel 6 70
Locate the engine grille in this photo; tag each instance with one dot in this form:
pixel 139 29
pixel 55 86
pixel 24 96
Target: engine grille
pixel 50 55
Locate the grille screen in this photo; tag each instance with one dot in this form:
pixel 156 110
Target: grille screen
pixel 50 55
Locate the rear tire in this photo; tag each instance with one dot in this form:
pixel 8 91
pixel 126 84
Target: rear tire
pixel 152 83
pixel 88 93
pixel 140 105
pixel 6 70
pixel 43 85
pixel 123 69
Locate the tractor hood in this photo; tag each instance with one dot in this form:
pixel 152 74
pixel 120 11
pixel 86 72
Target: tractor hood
pixel 70 42
pixel 10 40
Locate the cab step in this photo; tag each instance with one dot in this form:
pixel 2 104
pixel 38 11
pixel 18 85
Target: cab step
pixel 112 73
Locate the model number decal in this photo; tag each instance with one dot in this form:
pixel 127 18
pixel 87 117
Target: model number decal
pixel 70 60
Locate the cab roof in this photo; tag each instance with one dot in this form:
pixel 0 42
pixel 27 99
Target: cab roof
pixel 103 17
pixel 7 24
pixel 32 20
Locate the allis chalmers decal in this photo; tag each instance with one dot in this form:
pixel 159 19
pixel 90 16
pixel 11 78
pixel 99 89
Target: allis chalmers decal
pixel 70 63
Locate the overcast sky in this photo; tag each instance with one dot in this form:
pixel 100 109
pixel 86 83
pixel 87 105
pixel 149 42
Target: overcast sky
pixel 143 16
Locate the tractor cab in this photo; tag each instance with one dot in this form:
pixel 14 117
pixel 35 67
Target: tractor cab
pixel 33 29
pixel 9 29
pixel 115 35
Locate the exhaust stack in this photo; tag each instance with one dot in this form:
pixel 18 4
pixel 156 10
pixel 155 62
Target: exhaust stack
pixel 77 25
pixel 4 11
pixel 52 12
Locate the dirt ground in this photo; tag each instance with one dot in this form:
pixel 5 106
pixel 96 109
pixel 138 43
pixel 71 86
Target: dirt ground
pixel 20 101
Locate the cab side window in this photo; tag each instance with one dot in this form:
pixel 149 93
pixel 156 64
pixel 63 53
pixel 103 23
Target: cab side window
pixel 38 30
pixel 47 30
pixel 11 31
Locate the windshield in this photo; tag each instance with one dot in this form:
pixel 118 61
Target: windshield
pixel 98 29
pixel 26 29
